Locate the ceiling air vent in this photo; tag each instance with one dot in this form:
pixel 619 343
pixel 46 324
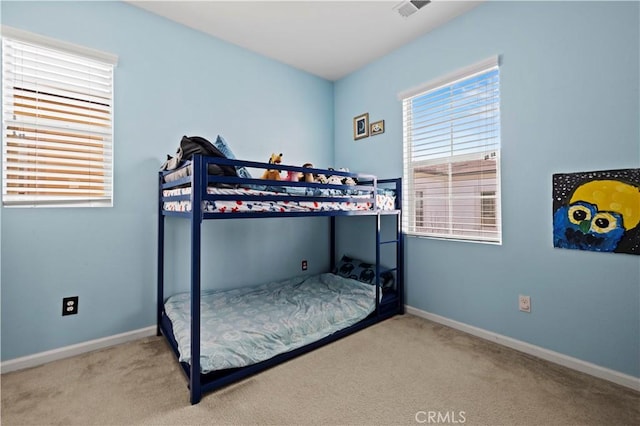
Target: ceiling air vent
pixel 408 8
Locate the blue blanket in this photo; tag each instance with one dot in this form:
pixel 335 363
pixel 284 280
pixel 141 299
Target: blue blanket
pixel 244 326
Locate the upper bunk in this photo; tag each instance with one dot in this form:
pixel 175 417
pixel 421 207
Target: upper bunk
pixel 205 182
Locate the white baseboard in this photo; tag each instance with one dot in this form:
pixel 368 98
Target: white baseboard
pixel 69 351
pixel 537 351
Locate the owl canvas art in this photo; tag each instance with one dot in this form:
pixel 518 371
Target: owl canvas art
pixel 597 211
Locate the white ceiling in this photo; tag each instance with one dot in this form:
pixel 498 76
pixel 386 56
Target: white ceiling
pixel 330 39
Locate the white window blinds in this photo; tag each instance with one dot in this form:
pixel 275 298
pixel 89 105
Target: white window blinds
pixel 57 127
pixel 452 156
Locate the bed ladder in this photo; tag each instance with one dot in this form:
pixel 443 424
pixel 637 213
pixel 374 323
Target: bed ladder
pixel 398 241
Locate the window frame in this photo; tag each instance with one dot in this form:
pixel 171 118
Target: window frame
pixel 64 129
pixel 450 214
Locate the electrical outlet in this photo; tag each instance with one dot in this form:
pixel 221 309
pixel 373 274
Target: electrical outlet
pixel 70 305
pixel 524 302
pixel 304 265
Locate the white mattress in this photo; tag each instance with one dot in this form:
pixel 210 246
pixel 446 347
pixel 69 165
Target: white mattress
pixel 384 201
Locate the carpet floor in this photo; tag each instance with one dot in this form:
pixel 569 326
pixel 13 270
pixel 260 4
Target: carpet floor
pixel 403 371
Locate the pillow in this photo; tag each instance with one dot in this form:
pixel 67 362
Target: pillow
pixel 356 269
pixel 223 147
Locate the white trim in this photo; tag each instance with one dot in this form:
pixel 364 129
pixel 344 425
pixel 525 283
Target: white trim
pixel 452 77
pixel 537 351
pixel 77 349
pixel 29 37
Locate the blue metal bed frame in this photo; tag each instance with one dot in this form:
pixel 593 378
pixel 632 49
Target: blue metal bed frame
pixel 387 306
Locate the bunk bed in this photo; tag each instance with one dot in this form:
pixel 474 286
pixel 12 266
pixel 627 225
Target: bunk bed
pixel 343 300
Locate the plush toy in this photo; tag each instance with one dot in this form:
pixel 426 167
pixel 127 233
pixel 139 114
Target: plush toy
pixel 300 176
pixel 320 178
pixel 292 176
pixel 308 177
pixel 273 174
pixel 334 180
pixel 348 180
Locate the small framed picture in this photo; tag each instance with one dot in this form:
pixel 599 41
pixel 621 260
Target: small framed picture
pixel 361 126
pixel 377 127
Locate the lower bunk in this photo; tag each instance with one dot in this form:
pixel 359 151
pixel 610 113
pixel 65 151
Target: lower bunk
pixel 247 330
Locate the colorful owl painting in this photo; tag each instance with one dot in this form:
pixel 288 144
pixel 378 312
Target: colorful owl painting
pixel 597 211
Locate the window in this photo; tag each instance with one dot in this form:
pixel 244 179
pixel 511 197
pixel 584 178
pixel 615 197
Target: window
pixel 488 208
pixel 452 156
pixel 57 119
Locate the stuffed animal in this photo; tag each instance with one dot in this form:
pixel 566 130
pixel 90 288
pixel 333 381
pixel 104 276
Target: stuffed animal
pixel 334 180
pixel 300 176
pixel 320 178
pixel 348 180
pixel 293 176
pixel 308 177
pixel 273 174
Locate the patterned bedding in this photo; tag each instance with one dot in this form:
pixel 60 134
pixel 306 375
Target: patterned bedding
pixel 385 200
pixel 245 326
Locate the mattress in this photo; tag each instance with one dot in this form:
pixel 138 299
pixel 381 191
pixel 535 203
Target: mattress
pixel 245 326
pixel 385 200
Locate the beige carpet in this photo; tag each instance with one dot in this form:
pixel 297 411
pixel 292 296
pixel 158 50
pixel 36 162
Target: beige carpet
pixel 405 370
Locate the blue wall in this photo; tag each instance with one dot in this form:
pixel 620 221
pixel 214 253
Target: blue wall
pixel 570 102
pixel 170 81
